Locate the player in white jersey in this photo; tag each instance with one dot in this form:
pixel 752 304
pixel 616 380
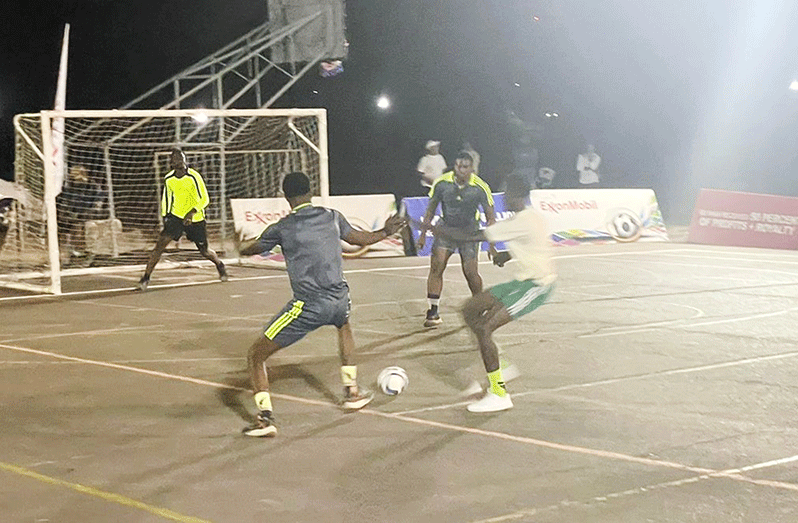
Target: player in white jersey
pixel 528 244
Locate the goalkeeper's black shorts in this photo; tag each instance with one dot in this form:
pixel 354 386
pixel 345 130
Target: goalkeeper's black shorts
pixel 174 228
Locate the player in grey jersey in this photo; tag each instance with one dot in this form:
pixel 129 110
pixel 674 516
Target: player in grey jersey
pixel 310 239
pixel 460 193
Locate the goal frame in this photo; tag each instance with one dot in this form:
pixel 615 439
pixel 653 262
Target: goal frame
pixel 54 272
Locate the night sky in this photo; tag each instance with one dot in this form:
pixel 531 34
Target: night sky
pixel 675 95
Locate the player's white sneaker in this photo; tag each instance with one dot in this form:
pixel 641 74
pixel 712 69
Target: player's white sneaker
pixel 509 373
pixel 262 427
pixel 357 400
pixel 491 403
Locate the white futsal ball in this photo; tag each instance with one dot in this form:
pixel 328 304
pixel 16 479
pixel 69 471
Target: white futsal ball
pixel 392 380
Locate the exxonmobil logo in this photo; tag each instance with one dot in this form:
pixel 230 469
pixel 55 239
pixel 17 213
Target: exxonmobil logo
pixel 570 205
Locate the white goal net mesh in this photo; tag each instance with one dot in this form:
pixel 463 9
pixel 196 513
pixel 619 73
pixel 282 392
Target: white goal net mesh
pixel 107 212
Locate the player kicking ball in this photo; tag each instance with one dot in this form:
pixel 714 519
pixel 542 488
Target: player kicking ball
pixel 529 246
pixel 310 238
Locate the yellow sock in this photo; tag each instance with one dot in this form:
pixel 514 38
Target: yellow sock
pixel 263 400
pixel 349 375
pixel 497 383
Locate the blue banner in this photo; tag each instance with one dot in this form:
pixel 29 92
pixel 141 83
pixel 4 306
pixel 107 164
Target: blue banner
pixel 416 207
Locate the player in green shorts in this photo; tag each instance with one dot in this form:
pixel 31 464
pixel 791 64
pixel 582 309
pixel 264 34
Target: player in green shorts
pixel 528 244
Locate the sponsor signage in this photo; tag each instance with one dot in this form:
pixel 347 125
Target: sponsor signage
pixel 367 212
pixel 600 215
pixel 745 220
pixel 576 216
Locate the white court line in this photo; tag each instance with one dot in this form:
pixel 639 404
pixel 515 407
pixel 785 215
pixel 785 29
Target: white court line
pixel 622 379
pixel 726 474
pixel 737 256
pixel 170 360
pixel 671 324
pixel 82 333
pixel 155 373
pixel 726 267
pixel 468 430
pixel 285 275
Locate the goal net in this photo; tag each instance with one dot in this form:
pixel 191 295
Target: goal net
pixel 101 208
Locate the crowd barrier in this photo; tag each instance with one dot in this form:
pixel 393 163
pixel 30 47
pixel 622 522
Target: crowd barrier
pixel 577 216
pixel 574 216
pixel 367 212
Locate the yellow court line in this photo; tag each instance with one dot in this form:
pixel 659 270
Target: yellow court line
pixel 107 496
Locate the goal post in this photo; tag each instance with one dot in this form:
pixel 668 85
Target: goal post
pixel 107 216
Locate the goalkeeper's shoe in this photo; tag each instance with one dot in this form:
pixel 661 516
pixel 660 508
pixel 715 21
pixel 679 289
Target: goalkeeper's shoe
pixel 143 283
pixel 262 427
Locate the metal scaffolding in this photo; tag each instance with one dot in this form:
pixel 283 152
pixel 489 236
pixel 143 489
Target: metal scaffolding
pixel 264 62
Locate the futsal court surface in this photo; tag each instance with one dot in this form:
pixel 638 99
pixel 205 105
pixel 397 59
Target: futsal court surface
pixel 659 384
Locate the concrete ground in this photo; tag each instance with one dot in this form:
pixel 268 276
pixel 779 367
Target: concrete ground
pixel 658 385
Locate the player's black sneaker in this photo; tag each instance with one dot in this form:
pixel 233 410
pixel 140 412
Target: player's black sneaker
pixel 262 427
pixel 433 319
pixel 143 283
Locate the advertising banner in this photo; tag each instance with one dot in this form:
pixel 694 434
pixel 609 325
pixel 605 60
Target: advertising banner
pixel 600 215
pixel 416 207
pixel 576 216
pixel 745 220
pixel 367 212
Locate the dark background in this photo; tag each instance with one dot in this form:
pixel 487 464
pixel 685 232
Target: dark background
pixel 676 95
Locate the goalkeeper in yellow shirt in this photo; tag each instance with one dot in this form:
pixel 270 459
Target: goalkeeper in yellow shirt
pixel 183 202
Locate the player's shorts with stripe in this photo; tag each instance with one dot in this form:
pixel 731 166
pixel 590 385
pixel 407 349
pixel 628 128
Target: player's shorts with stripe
pixel 299 318
pixel 521 297
pixel 174 228
pixel 468 250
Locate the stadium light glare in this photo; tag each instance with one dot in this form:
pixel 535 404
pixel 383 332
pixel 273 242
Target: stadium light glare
pixel 794 85
pixel 200 117
pixel 383 102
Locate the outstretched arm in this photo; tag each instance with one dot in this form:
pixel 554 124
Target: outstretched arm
pixel 393 225
pixel 490 216
pixel 264 242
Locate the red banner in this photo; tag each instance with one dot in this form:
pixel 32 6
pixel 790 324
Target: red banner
pixel 745 220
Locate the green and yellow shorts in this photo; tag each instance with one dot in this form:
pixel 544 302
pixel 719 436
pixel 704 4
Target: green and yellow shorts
pixel 521 297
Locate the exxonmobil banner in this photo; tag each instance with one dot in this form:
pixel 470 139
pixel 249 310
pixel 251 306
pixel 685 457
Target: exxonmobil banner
pixel 367 212
pixel 745 220
pixel 576 216
pixel 600 215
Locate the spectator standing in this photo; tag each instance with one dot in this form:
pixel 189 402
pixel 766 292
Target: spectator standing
pixel 431 165
pixel 473 154
pixel 587 165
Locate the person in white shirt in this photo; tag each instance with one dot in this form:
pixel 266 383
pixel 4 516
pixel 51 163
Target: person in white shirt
pixel 529 246
pixel 587 165
pixel 431 166
pixel 473 154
